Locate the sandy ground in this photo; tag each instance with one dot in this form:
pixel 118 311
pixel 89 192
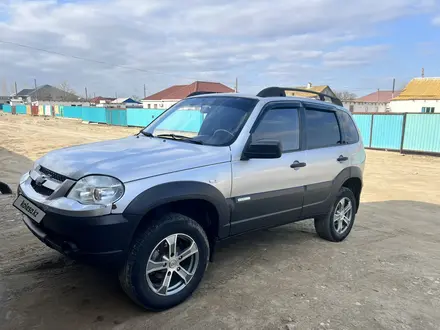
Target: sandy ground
pixel 386 275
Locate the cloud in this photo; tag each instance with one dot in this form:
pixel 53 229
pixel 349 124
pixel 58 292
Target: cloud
pixel 169 42
pixel 354 56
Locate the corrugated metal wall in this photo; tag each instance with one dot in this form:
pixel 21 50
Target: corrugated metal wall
pixel 387 131
pixel 186 121
pixel 20 109
pixel 142 117
pixel 363 122
pixel 47 110
pixel 422 133
pixel 72 112
pixel 116 117
pixel 34 110
pixel 7 108
pixel 93 114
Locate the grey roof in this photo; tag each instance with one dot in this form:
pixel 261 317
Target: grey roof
pixel 25 92
pixel 30 91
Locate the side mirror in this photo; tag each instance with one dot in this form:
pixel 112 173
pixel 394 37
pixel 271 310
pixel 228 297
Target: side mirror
pixel 262 150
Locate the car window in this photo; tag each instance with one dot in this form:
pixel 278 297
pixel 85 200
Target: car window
pixel 348 127
pixel 212 120
pixel 322 129
pixel 281 125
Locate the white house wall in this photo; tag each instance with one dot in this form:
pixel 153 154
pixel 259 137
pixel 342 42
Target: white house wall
pixel 414 105
pixel 366 106
pixel 160 104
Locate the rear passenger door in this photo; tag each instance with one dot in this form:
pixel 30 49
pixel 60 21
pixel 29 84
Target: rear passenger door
pixel 326 157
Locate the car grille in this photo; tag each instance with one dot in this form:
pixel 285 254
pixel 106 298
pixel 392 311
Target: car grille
pixel 52 174
pixel 41 189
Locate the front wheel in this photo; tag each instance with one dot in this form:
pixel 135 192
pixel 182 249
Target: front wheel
pixel 166 262
pixel 337 224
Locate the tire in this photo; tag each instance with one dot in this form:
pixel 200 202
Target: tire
pixel 326 226
pixel 133 276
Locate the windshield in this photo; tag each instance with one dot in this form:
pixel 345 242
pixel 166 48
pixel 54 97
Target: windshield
pixel 213 121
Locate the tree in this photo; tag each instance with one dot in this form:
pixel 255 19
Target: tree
pixel 69 92
pixel 64 86
pixel 346 95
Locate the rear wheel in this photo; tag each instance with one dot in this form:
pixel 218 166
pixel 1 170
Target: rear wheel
pixel 166 262
pixel 337 224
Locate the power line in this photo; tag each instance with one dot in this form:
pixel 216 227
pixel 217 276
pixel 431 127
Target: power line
pixel 145 70
pixel 93 60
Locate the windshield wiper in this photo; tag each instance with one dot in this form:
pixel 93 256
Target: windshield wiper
pixel 179 138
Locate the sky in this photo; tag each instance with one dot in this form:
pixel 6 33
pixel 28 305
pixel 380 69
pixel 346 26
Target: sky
pixel 117 46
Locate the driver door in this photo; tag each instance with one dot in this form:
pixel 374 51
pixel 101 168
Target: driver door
pixel 270 192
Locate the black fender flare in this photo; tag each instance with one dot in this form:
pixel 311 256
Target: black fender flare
pixel 346 174
pixel 183 190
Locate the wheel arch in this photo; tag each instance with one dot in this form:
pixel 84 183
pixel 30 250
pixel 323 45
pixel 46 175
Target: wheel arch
pixel 200 201
pixel 351 178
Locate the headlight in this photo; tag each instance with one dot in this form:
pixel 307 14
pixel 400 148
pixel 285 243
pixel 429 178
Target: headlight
pixel 97 189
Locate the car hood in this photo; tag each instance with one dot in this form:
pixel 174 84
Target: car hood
pixel 132 158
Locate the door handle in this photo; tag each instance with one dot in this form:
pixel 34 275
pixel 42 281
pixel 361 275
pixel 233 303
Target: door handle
pixel 297 164
pixel 342 159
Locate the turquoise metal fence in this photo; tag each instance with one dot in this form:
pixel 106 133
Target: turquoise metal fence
pixel 20 109
pixel 72 112
pixel 94 114
pixel 422 133
pixel 405 132
pixel 364 122
pixel 116 117
pixel 387 131
pixel 142 117
pixel 185 120
pixel 7 108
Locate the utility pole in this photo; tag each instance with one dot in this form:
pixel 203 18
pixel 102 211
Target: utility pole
pixel 145 91
pixel 116 94
pixel 423 72
pixel 36 94
pixel 16 92
pixel 236 84
pixel 394 86
pixel 378 90
pixel 87 97
pixel 94 94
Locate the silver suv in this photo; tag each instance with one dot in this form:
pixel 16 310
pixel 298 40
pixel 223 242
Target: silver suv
pixel 210 167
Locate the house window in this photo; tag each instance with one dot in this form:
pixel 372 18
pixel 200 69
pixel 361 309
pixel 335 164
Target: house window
pixel 351 108
pixel 155 106
pixel 149 106
pixel 428 109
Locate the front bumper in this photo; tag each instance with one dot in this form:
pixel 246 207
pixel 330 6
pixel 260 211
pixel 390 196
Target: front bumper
pixel 86 235
pixel 98 240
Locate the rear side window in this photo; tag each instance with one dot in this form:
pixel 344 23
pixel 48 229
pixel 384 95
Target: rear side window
pixel 322 129
pixel 349 130
pixel 281 125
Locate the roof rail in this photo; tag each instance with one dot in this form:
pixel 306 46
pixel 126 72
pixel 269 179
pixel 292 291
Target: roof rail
pixel 281 91
pixel 200 93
